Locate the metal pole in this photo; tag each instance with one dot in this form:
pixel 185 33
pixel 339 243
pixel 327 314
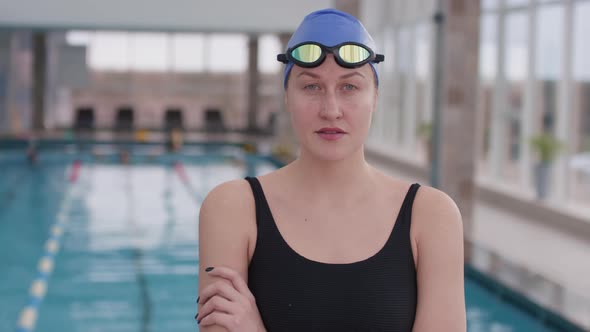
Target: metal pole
pixel 439 19
pixel 253 82
pixel 40 79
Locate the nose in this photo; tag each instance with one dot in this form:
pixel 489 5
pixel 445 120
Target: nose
pixel 330 109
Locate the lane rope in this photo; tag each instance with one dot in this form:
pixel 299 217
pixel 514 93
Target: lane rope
pixel 181 172
pixel 28 316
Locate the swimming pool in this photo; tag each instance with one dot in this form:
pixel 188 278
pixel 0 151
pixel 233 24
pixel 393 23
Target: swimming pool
pixel 114 247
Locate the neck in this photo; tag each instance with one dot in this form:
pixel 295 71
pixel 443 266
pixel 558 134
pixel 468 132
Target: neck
pixel 326 179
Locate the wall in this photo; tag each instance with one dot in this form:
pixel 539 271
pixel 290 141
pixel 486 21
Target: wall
pixel 150 94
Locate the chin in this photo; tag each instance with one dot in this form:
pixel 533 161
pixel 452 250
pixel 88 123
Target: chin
pixel 331 154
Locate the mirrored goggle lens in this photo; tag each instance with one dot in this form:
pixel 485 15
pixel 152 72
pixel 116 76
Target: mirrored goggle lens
pixel 353 53
pixel 307 53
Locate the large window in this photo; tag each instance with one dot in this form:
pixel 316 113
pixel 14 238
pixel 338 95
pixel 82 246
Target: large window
pixel 188 53
pixel 377 124
pixel 488 68
pixel 148 52
pixel 489 4
pixel 227 52
pixel 109 51
pixel 404 71
pixel 423 92
pixel 516 64
pixel 539 96
pixel 516 3
pixel 268 48
pixel 388 90
pixel 549 61
pixel 132 51
pixel 580 163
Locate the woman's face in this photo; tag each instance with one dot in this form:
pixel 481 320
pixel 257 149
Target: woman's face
pixel 331 108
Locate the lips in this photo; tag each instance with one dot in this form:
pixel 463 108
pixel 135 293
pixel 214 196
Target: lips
pixel 331 133
pixel 331 130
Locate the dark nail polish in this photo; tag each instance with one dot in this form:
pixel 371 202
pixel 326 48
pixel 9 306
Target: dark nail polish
pixel 198 299
pixel 196 316
pixel 209 269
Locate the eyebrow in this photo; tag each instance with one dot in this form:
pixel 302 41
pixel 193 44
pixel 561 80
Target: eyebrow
pixel 308 73
pixel 352 74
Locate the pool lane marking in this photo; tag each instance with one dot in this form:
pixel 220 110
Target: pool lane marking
pixel 38 289
pixel 181 172
pixel 75 173
pixel 145 298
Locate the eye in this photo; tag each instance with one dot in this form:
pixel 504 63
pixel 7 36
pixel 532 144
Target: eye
pixel 312 87
pixel 349 87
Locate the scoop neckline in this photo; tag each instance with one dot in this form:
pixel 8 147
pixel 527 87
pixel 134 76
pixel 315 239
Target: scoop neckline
pixel 299 256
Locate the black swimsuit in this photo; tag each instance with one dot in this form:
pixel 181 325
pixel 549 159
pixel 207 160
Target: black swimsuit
pixel 294 293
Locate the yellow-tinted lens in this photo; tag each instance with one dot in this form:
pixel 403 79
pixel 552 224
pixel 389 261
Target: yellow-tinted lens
pixel 353 53
pixel 307 53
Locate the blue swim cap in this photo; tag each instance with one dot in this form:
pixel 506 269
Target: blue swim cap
pixel 330 27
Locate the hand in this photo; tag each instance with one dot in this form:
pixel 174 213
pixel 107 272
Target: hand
pixel 229 303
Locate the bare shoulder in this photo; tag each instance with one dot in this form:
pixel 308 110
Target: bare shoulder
pixel 228 211
pixel 436 222
pixel 231 197
pixel 429 203
pixel 436 208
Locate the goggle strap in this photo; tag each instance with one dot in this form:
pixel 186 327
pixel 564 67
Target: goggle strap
pixel 282 58
pixel 379 58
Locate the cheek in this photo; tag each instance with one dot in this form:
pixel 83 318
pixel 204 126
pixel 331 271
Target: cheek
pixel 300 111
pixel 362 109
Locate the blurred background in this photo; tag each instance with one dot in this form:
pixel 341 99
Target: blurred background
pixel 117 118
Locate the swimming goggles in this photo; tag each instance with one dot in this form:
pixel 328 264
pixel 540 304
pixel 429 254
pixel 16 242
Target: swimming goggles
pixel 312 54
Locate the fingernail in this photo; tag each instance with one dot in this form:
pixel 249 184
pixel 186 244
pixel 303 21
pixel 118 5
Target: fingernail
pixel 196 316
pixel 209 269
pixel 198 299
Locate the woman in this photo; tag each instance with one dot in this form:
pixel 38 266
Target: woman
pixel 325 243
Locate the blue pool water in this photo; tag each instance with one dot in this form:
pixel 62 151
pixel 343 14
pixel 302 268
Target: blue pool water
pixel 129 252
